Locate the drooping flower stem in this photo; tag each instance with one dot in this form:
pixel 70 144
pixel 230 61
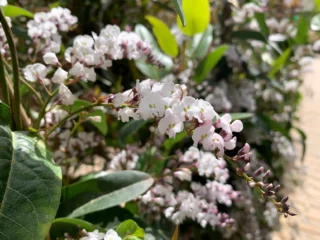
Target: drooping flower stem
pixel 15 68
pixel 3 82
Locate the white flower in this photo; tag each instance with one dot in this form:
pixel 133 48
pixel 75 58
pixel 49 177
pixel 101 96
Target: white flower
pixel 50 58
pixel 59 76
pixel 112 235
pixel 3 3
pixel 170 124
pixel 65 95
pixel 183 174
pixel 95 235
pixel 35 72
pixel 201 133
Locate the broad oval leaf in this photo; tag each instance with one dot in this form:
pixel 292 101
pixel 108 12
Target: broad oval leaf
pixel 248 35
pixel 178 7
pixel 165 39
pixel 209 62
pixel 315 23
pixel 14 11
pixel 107 191
pixel 129 229
pixel 30 185
pixel 200 43
pixel 72 226
pixel 197 14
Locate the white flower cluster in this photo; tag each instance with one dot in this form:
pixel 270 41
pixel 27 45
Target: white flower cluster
pixel 200 203
pixel 96 235
pixel 282 146
pixel 123 161
pixel 44 29
pixel 169 103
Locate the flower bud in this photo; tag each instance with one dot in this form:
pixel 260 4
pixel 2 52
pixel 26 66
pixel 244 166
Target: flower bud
pixel 252 184
pixel 246 168
pixel 266 175
pixel 269 187
pixel 258 172
pixel 276 189
pixel 270 193
pixel 284 200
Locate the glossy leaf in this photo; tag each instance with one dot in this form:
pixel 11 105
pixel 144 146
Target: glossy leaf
pixel 72 226
pixel 102 126
pixel 30 184
pixel 178 8
pixel 303 29
pixel 248 35
pixel 206 65
pixel 129 230
pixel 165 38
pixel 280 62
pixel 106 191
pixel 262 23
pixel 315 23
pixel 129 129
pixel 200 43
pixel 197 14
pixel 14 11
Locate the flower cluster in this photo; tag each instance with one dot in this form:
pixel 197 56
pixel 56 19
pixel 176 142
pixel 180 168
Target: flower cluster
pixel 96 235
pixel 201 202
pixel 44 29
pixel 169 104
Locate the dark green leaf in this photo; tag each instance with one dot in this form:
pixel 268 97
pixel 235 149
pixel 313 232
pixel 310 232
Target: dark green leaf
pixel 14 11
pixel 262 23
pixel 79 103
pixel 30 185
pixel 129 230
pixel 5 115
pixel 72 226
pixel 303 137
pixel 102 125
pixel 303 29
pixel 241 116
pixel 171 142
pixel 129 129
pixel 248 35
pixel 150 70
pixel 105 191
pixel 178 7
pixel 206 65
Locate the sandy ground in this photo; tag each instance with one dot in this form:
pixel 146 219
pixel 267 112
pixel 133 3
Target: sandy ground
pixel 305 198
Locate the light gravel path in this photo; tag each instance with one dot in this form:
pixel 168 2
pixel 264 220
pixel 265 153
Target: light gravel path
pixel 305 198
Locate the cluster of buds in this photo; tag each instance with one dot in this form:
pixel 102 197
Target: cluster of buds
pixel 259 179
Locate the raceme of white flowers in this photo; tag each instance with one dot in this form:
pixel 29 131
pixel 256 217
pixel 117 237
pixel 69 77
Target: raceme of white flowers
pixel 175 110
pixel 96 235
pixel 199 203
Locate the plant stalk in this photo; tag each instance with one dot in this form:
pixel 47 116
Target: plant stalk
pixel 3 82
pixel 15 68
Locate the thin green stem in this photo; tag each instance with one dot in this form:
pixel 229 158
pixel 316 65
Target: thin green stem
pixel 15 68
pixel 44 107
pixel 3 82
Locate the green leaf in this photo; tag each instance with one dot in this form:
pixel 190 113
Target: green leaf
pixel 178 7
pixel 315 23
pixel 206 65
pixel 302 33
pixel 30 184
pixel 148 69
pixel 262 23
pixel 171 142
pixel 79 103
pixel 200 43
pixel 197 15
pixel 54 4
pixel 248 35
pixel 166 40
pixel 72 226
pixel 279 62
pixel 105 191
pixel 14 11
pixel 241 116
pixel 303 137
pixel 129 129
pixel 129 230
pixel 5 114
pixel 102 126
pixel 317 3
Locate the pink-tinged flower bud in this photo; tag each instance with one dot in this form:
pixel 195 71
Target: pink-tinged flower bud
pixel 246 168
pixel 269 187
pixel 266 175
pixel 276 189
pixel 258 172
pixel 284 200
pixel 291 213
pixel 244 150
pixel 270 193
